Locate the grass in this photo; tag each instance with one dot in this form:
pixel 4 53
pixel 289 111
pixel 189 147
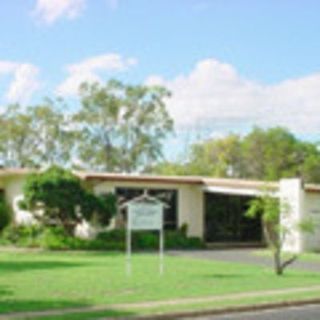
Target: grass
pixel 53 280
pixel 184 308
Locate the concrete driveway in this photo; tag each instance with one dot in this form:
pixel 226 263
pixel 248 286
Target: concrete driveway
pixel 245 256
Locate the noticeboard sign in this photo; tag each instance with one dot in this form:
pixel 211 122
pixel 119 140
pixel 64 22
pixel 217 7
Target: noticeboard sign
pixel 145 216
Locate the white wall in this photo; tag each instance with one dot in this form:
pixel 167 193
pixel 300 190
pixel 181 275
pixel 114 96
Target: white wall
pixel 292 198
pixel 304 206
pixel 191 209
pixel 311 211
pixel 14 193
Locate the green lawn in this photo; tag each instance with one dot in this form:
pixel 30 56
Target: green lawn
pixel 51 280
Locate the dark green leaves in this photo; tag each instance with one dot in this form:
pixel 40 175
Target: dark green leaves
pixel 57 197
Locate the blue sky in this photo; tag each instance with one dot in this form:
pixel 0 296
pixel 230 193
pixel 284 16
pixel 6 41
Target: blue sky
pixel 230 64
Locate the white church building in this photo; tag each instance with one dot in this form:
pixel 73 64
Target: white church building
pixel 196 202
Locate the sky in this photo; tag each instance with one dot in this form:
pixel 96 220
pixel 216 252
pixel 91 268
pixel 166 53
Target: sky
pixel 230 64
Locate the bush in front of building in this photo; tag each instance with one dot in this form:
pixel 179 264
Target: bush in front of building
pixel 56 238
pixel 57 197
pixel 5 213
pixel 21 235
pixel 145 240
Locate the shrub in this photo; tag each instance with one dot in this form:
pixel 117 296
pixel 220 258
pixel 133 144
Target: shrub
pixel 116 235
pixel 145 240
pixel 22 235
pixel 56 238
pixel 5 214
pixel 184 229
pixel 63 201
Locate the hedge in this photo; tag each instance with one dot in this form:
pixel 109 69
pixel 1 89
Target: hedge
pixel 57 239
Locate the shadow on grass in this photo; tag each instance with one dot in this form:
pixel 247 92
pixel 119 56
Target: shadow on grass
pixel 17 307
pixel 26 265
pixel 94 315
pixel 4 292
pixel 8 304
pixel 61 309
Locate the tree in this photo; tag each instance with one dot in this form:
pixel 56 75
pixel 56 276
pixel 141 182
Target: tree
pixel 168 168
pixel 217 157
pixel 121 127
pixel 272 154
pixel 35 136
pixel 276 232
pixel 263 154
pixel 16 138
pixel 56 197
pixel 52 132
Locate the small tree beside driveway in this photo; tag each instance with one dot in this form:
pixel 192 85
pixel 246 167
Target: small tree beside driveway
pixel 275 232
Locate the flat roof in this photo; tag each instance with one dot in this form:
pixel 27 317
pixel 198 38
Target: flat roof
pixel 97 176
pixel 311 187
pixel 149 178
pixel 6 172
pixel 191 180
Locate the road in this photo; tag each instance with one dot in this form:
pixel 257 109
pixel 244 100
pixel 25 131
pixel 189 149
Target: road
pixel 311 312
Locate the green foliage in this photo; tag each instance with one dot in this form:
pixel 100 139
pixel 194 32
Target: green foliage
pixel 22 235
pixel 56 238
pixel 269 209
pixel 35 136
pixel 150 240
pixel 121 127
pixel 57 197
pixel 263 154
pixel 275 231
pixel 117 128
pixel 267 205
pixel 5 213
pixel 184 229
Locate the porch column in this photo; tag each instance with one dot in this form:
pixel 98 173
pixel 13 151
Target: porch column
pixel 291 196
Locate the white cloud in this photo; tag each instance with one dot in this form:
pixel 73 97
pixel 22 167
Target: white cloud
pixel 24 80
pixel 7 67
pixel 90 70
pixel 49 11
pixel 24 84
pixel 214 95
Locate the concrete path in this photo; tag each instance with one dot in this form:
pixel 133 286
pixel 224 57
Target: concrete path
pixel 246 256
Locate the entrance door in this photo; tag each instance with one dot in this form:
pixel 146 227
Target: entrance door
pixel 225 219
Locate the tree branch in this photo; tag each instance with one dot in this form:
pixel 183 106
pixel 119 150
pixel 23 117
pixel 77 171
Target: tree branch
pixel 289 261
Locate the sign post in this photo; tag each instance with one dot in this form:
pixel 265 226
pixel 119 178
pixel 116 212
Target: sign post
pixel 144 213
pixel 128 250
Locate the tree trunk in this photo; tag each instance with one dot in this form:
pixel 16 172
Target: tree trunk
pixel 277 262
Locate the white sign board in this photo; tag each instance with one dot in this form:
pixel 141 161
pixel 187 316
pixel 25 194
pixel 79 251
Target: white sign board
pixel 145 216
